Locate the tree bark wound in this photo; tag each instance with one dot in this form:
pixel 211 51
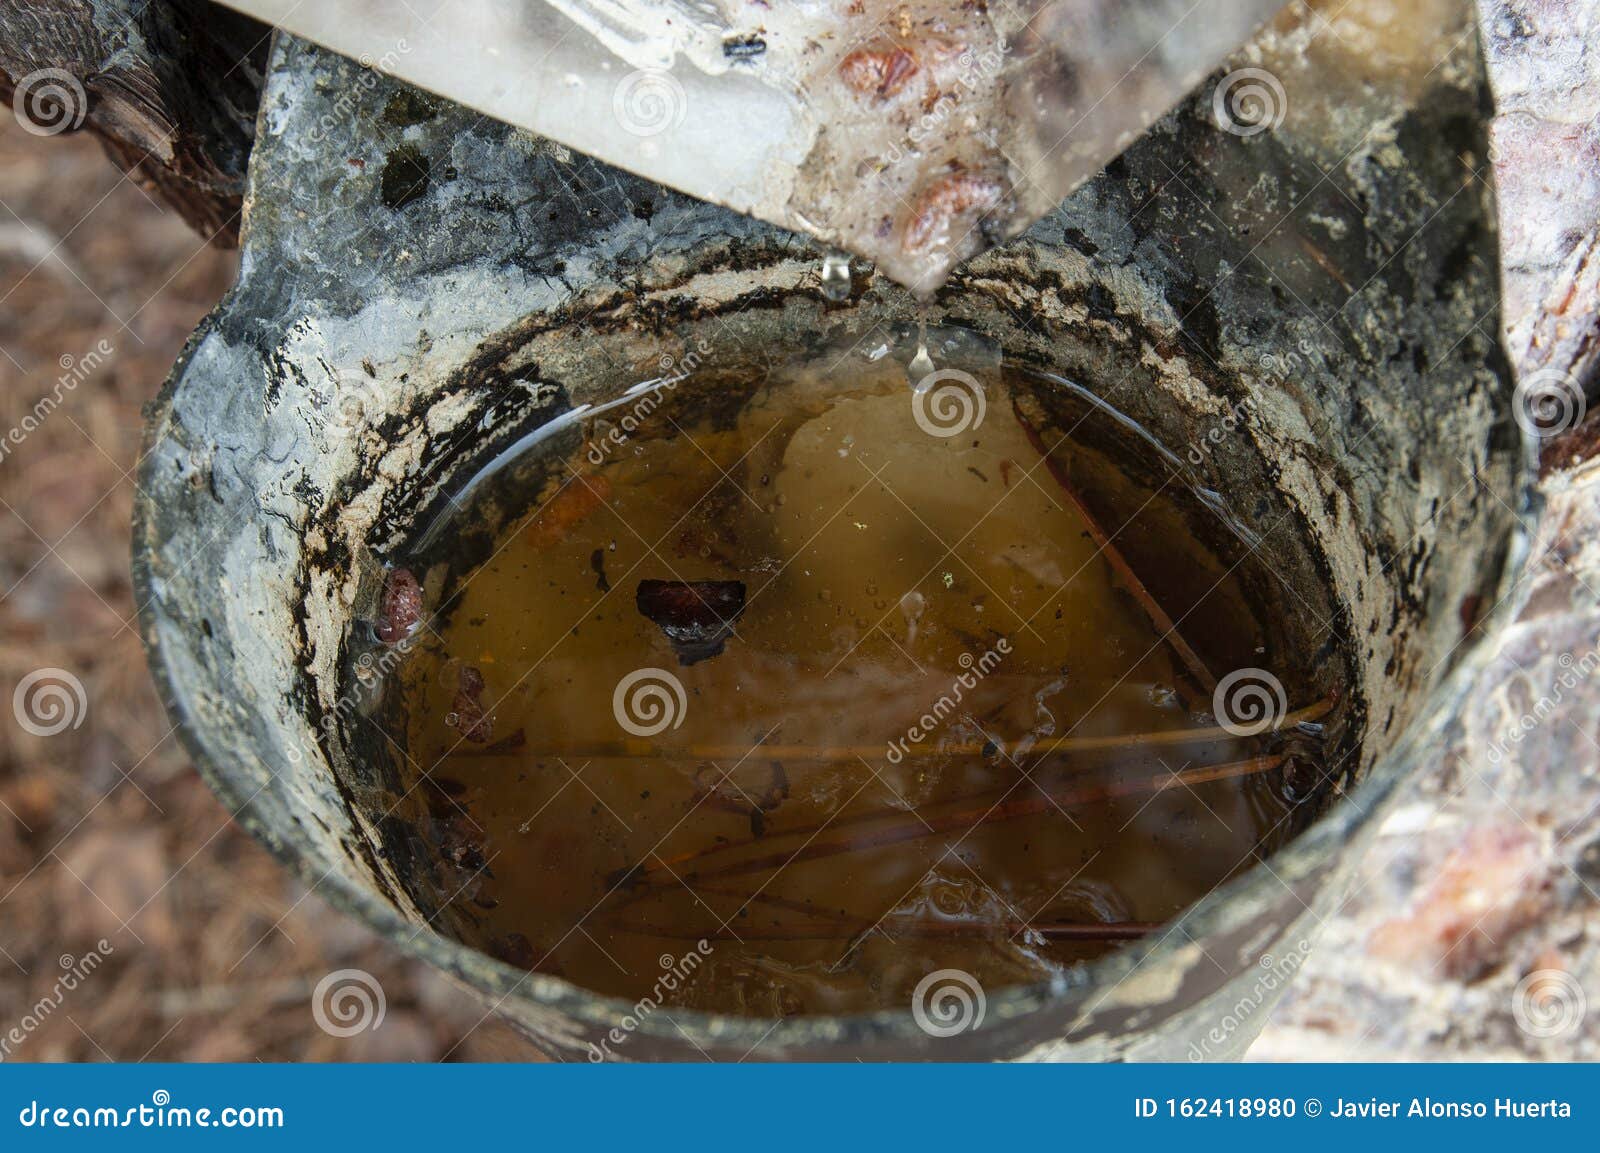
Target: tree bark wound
pixel 170 90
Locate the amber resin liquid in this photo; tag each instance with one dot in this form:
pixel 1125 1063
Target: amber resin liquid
pixel 808 685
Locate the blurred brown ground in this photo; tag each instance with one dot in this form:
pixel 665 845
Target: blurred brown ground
pixel 105 830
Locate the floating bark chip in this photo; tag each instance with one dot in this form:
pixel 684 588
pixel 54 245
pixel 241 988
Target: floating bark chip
pixel 696 616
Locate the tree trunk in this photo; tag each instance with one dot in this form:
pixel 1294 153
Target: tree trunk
pixel 170 89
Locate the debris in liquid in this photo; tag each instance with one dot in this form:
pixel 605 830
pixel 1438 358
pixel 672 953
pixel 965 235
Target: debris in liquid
pixel 847 700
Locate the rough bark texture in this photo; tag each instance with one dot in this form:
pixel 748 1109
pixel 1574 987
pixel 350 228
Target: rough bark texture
pixel 1545 69
pixel 1474 929
pixel 169 88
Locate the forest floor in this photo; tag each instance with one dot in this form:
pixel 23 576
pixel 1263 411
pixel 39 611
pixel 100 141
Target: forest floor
pixel 106 832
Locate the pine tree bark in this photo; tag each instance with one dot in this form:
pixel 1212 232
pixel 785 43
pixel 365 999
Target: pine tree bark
pixel 170 88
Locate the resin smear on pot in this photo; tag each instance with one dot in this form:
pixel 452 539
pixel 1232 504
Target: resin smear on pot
pixel 851 676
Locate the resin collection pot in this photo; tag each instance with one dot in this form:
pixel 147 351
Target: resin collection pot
pixel 1306 312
